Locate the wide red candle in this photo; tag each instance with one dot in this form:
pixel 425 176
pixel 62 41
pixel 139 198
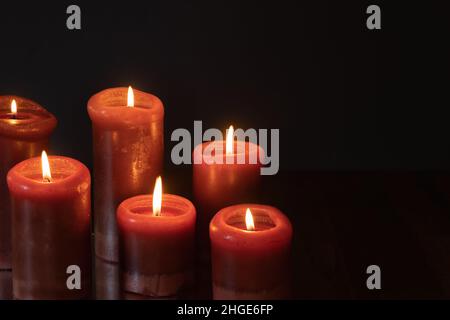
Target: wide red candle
pixel 156 251
pixel 250 263
pixel 23 134
pixel 50 228
pixel 128 156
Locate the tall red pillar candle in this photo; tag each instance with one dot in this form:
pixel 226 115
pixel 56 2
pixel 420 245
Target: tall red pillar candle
pixel 50 228
pixel 25 128
pixel 156 244
pixel 250 250
pixel 128 156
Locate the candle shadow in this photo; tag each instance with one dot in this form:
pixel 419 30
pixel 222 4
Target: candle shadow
pixel 6 285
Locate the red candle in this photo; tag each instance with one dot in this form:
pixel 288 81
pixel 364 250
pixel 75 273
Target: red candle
pixel 156 243
pixel 219 180
pixel 50 228
pixel 128 155
pixel 250 250
pixel 25 128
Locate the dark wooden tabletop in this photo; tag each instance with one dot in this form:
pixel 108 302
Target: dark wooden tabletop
pixel 348 221
pixel 343 222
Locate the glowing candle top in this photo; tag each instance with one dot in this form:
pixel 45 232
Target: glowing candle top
pixel 124 107
pixel 24 119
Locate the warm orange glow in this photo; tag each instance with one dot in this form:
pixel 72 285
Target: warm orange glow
pixel 13 107
pixel 249 220
pixel 130 100
pixel 229 141
pixel 46 174
pixel 157 197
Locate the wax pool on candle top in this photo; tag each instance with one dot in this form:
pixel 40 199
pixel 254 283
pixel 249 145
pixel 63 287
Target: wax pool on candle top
pixel 250 261
pixel 128 155
pixel 50 228
pixel 156 250
pixel 23 134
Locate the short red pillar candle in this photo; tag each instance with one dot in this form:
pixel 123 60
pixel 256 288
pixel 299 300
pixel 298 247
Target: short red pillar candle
pixel 156 250
pixel 50 228
pixel 218 177
pixel 25 128
pixel 250 256
pixel 128 156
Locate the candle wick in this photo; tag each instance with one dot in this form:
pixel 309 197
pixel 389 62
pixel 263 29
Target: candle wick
pixel 47 179
pixel 14 116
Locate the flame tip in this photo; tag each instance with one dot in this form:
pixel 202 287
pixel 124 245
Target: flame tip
pixel 249 222
pixel 13 106
pixel 229 140
pixel 157 197
pixel 46 173
pixel 130 97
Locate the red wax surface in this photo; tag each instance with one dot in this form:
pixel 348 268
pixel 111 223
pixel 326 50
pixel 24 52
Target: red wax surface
pixel 156 252
pixel 128 156
pixel 22 136
pixel 216 185
pixel 250 264
pixel 50 228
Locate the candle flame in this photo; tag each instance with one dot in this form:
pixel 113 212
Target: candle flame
pixel 157 197
pixel 229 141
pixel 13 106
pixel 249 220
pixel 46 174
pixel 130 100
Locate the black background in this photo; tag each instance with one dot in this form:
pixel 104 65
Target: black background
pixel 360 114
pixel 343 97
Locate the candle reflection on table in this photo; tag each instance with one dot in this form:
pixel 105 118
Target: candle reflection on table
pixel 5 285
pixel 106 280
